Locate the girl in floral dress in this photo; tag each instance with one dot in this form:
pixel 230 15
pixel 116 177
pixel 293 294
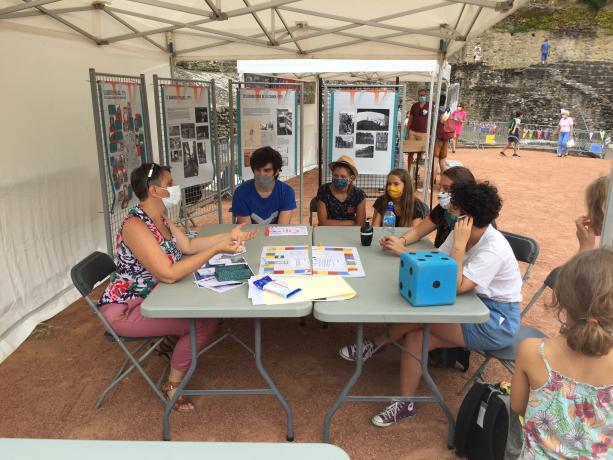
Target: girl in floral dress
pixel 564 386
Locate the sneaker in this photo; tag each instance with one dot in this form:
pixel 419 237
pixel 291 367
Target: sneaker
pixel 516 155
pixel 502 154
pixel 350 352
pixel 393 413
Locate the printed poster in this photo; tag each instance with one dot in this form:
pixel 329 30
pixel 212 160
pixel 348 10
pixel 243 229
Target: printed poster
pixel 124 137
pixel 267 117
pixel 363 126
pixel 187 116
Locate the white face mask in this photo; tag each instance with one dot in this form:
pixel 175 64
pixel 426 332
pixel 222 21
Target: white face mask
pixel 444 199
pixel 174 196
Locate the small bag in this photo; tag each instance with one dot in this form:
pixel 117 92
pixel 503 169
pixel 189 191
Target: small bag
pixel 571 143
pixel 239 272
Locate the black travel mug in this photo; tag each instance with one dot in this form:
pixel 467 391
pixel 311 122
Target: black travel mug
pixel 366 233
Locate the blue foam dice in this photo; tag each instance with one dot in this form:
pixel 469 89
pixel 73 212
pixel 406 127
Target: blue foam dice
pixel 427 278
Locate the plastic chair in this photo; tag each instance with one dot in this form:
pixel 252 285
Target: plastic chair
pixel 312 209
pixel 525 249
pixel 596 149
pixel 85 275
pixel 506 356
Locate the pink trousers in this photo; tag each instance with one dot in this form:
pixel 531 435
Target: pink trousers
pixel 127 320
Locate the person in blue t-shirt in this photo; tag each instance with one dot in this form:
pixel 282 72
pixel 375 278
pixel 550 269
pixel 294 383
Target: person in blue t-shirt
pixel 264 199
pixel 545 46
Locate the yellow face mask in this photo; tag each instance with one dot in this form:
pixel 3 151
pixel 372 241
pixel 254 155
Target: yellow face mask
pixel 394 191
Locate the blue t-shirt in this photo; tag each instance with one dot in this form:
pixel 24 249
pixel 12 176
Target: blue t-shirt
pixel 545 48
pixel 248 202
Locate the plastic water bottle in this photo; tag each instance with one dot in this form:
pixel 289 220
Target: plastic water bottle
pixel 389 219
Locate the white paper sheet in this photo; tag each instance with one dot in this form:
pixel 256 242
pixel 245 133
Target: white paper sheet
pixel 332 260
pixel 285 260
pixel 298 230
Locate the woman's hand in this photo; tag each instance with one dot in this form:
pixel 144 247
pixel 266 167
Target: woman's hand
pixel 585 233
pixel 227 247
pixel 237 234
pixel 393 244
pixel 461 232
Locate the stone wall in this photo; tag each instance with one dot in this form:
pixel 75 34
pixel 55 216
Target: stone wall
pixel 583 87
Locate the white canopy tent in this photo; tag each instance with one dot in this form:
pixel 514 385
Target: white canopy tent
pixel 50 191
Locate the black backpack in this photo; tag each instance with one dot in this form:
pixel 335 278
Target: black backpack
pixel 486 429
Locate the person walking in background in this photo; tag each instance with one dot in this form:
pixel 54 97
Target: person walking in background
pixel 513 135
pixel 418 117
pixel 459 115
pixel 565 128
pixel 477 53
pixel 545 47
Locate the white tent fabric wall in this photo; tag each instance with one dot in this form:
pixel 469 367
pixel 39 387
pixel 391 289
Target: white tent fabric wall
pixel 50 188
pixel 49 192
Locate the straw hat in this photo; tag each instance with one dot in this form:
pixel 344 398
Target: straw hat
pixel 344 160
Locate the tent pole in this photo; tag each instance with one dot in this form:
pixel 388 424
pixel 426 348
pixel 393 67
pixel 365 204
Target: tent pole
pixel 217 155
pixel 607 229
pixel 232 135
pixel 301 150
pixel 429 144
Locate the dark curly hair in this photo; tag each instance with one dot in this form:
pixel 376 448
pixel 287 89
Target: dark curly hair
pixel 264 155
pixel 479 200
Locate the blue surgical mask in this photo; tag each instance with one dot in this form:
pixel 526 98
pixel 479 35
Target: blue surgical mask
pixel 422 98
pixel 340 182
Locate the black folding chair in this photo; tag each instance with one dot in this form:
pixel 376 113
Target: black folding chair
pixel 312 209
pixel 85 275
pixel 528 248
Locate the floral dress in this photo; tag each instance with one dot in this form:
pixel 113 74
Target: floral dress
pixel 131 280
pixel 568 419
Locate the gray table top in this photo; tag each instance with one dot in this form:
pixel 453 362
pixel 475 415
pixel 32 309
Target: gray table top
pixel 65 449
pixel 184 300
pixel 377 299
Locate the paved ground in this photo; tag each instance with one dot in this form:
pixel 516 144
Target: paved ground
pixel 50 383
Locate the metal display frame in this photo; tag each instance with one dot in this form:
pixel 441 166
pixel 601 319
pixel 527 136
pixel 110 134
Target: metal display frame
pixel 210 192
pixel 113 220
pixel 367 182
pixel 235 129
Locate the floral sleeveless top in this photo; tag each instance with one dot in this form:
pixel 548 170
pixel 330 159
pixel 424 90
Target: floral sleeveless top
pixel 568 419
pixel 131 280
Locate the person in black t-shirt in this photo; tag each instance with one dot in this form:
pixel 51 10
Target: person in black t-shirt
pixel 408 209
pixel 436 220
pixel 340 202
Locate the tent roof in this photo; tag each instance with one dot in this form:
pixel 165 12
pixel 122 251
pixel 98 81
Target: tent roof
pixel 345 69
pixel 270 29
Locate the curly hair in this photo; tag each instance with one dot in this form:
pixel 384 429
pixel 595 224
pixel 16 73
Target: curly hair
pixel 479 200
pixel 584 292
pixel 265 155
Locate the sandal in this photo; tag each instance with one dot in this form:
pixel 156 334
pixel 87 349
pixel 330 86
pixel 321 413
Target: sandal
pixel 165 349
pixel 183 404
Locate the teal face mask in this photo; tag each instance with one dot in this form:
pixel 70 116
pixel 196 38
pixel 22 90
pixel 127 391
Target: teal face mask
pixel 451 219
pixel 422 98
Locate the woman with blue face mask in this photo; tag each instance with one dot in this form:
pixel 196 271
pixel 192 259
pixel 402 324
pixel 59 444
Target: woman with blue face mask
pixel 340 202
pixel 149 249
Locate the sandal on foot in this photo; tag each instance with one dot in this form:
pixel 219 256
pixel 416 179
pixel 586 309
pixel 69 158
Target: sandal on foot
pixel 183 404
pixel 164 349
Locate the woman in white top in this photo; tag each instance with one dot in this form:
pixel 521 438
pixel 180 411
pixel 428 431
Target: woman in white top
pixel 565 127
pixel 488 267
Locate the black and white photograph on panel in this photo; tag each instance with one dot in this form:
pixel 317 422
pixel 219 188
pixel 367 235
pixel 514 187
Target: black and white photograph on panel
pixel 188 131
pixel 174 143
pixel 365 152
pixel 175 156
pixel 202 115
pixel 201 152
pixel 343 142
pixel 202 132
pixel 190 164
pixel 267 125
pixel 284 122
pixel 174 130
pixel 346 123
pixel 381 143
pixel 364 138
pixel 373 119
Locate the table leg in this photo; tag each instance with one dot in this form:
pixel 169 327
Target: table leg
pixel 433 388
pixel 268 380
pixel 186 378
pixel 359 362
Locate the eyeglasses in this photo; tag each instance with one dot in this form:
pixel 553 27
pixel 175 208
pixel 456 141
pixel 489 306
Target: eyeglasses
pixel 151 171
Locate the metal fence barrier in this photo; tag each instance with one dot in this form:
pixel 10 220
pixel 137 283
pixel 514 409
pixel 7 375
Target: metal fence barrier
pixel 482 134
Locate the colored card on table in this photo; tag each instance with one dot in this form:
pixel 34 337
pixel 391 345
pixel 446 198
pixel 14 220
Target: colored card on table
pixel 332 260
pixel 285 260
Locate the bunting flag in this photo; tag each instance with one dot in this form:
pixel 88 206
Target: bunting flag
pixel 602 133
pixel 591 134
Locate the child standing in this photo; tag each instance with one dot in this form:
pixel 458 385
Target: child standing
pixel 513 135
pixel 564 386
